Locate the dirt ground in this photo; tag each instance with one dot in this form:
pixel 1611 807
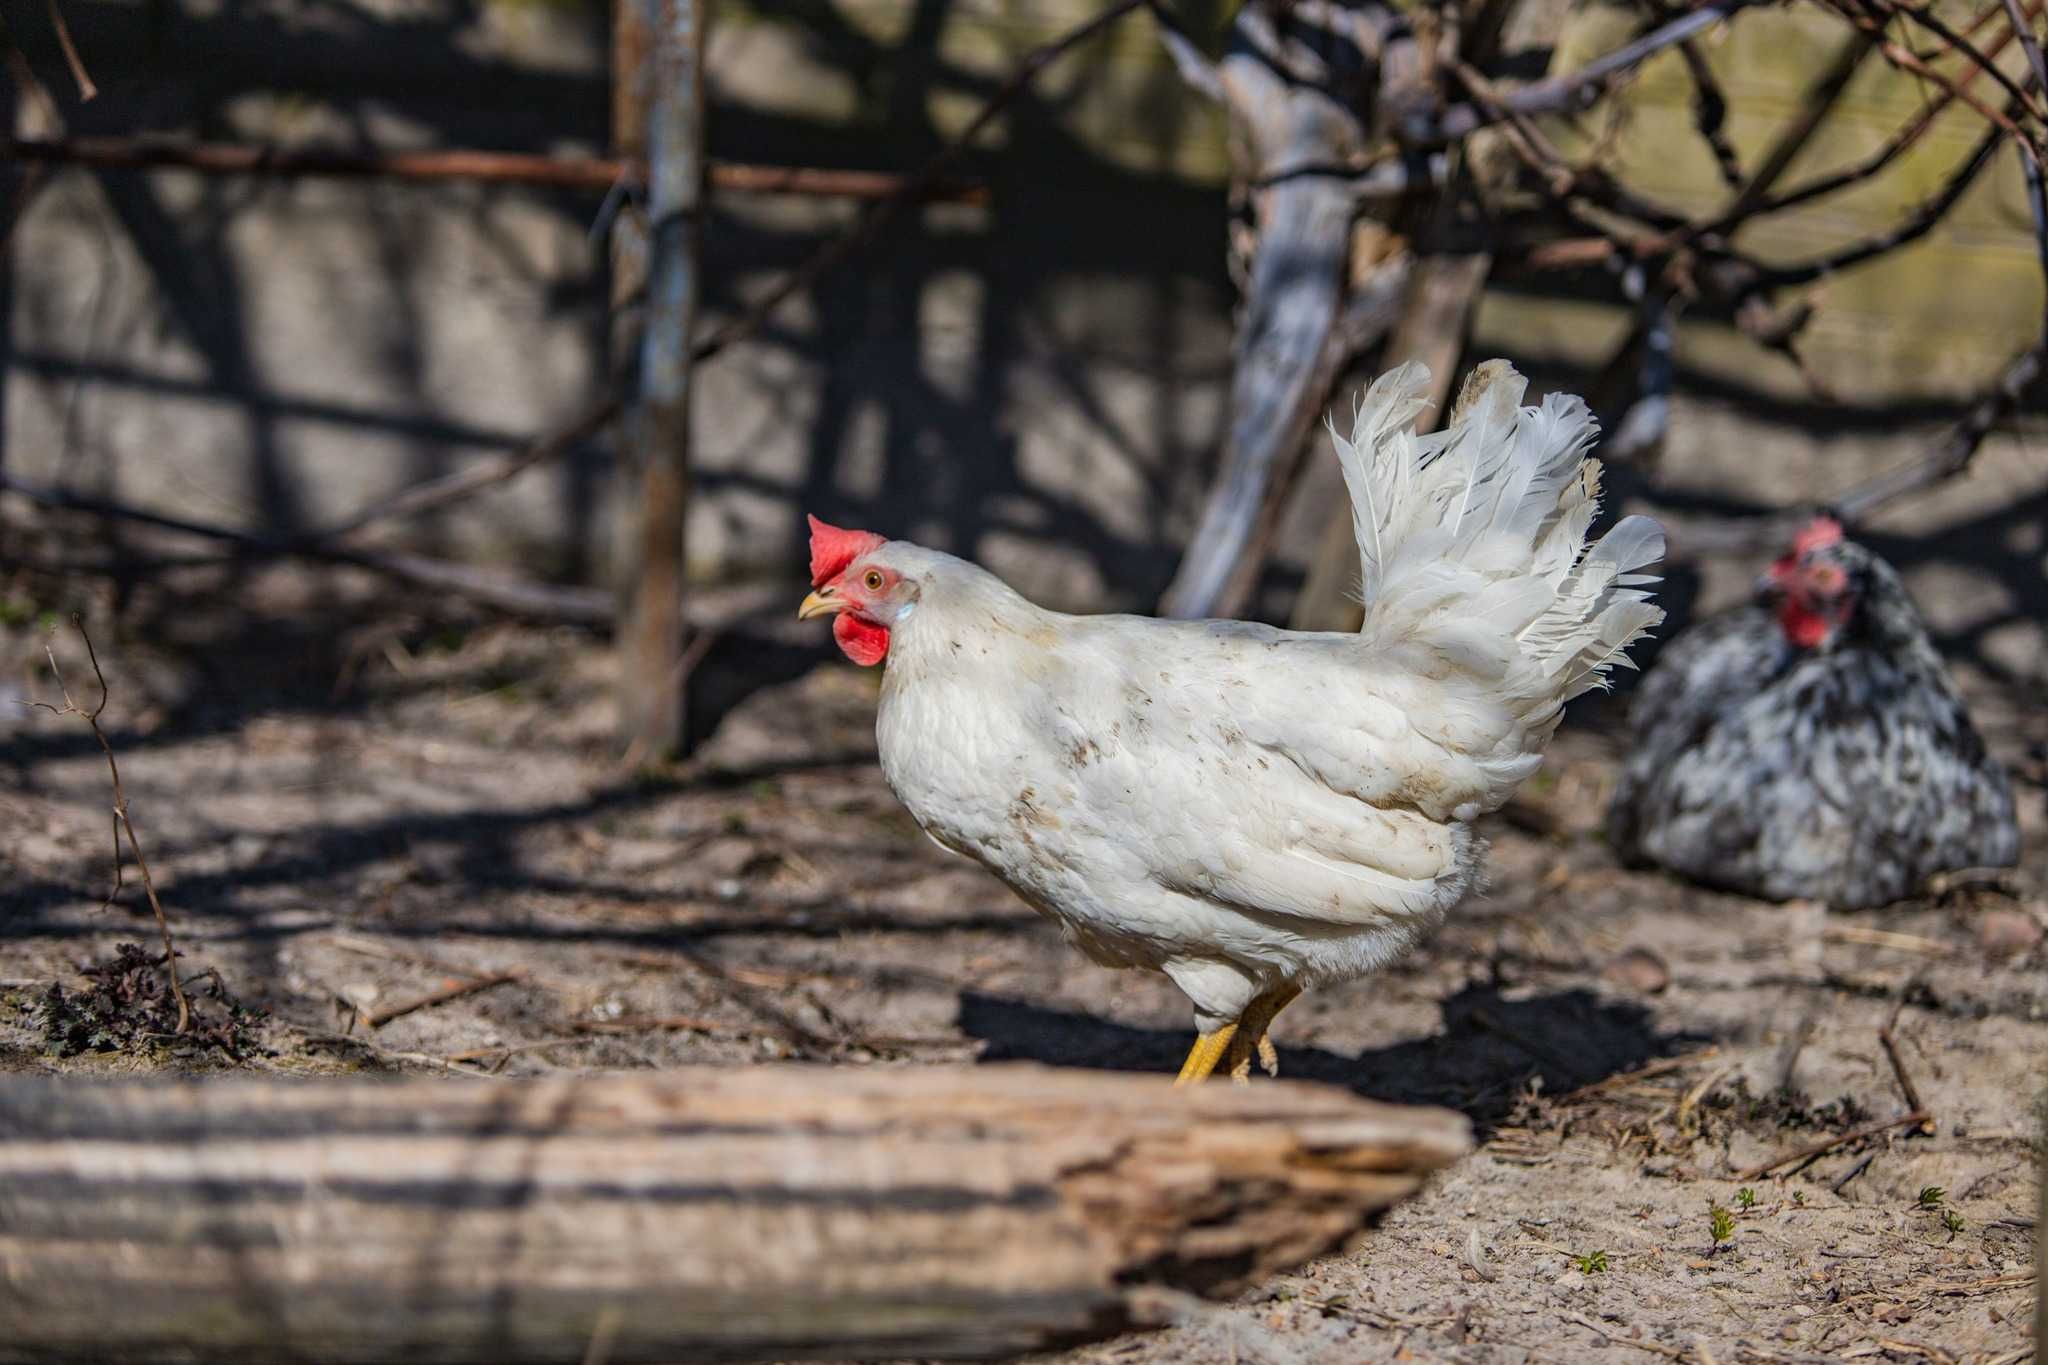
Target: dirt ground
pixel 346 812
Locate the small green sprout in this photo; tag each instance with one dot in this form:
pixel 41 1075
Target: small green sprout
pixel 1930 1196
pixel 1799 1199
pixel 1720 1224
pixel 1746 1197
pixel 1952 1220
pixel 1592 1263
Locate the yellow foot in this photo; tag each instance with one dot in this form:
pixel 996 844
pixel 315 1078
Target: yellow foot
pixel 1203 1056
pixel 1238 1060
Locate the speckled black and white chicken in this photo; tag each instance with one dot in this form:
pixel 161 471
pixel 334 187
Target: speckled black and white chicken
pixel 1810 745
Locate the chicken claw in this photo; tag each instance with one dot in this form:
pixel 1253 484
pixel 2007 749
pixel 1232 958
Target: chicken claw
pixel 1238 1061
pixel 1203 1056
pixel 1241 1060
pixel 1242 808
pixel 1248 1036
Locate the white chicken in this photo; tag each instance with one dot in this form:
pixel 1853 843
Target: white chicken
pixel 1255 811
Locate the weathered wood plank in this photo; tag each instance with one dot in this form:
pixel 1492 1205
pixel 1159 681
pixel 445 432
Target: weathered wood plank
pixel 721 1214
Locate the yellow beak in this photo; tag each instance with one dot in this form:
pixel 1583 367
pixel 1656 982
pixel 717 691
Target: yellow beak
pixel 820 603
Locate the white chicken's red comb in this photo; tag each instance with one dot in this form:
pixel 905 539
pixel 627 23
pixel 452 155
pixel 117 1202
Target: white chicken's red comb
pixel 833 548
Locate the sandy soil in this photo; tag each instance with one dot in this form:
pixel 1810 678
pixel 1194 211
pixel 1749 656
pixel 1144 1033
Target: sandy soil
pixel 349 818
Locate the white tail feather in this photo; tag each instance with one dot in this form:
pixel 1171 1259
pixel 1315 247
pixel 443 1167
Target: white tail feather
pixel 1472 540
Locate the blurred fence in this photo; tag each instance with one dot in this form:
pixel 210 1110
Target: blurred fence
pixel 1038 380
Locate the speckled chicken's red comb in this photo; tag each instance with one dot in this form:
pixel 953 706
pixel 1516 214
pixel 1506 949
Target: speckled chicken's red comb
pixel 833 548
pixel 1822 530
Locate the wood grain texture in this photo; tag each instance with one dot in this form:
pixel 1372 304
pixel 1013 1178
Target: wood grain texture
pixel 706 1214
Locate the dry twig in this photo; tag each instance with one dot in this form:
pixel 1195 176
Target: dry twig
pixel 86 89
pixel 1641 1073
pixel 884 212
pixel 1907 1090
pixel 518 596
pixel 504 1052
pixel 1826 1145
pixel 431 494
pixel 1886 938
pixel 1894 147
pixel 1710 114
pixel 1841 1181
pixel 663 1023
pixel 1655 1348
pixel 595 173
pixel 379 1018
pixel 331 1036
pixel 1580 89
pixel 121 821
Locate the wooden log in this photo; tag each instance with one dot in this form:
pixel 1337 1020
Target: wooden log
pixel 710 1214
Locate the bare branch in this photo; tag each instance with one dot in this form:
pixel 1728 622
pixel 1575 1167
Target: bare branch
pixel 1945 462
pixel 1560 178
pixel 1956 43
pixel 1916 225
pixel 1899 143
pixel 460 990
pixel 1639 431
pixel 597 174
pixel 1826 1145
pixel 1821 98
pixel 86 89
pixel 2023 30
pixel 1189 60
pixel 1710 114
pixel 1907 60
pixel 430 494
pixel 121 820
pixel 1954 454
pixel 520 597
pixel 884 212
pixel 1580 89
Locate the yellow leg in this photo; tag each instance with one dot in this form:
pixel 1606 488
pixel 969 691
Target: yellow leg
pixel 1251 1037
pixel 1203 1056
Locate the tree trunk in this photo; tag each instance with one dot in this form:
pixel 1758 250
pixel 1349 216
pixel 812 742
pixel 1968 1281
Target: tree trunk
pixel 1288 86
pixel 1441 300
pixel 708 1214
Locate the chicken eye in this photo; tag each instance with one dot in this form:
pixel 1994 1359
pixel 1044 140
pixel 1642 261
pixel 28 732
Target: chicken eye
pixel 872 580
pixel 1829 579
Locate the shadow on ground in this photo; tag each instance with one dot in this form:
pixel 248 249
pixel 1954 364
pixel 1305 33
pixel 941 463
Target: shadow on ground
pixel 1488 1052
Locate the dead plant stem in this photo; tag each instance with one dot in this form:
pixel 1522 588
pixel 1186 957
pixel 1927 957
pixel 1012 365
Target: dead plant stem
pixel 121 821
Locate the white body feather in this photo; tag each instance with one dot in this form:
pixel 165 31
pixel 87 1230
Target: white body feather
pixel 1240 806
